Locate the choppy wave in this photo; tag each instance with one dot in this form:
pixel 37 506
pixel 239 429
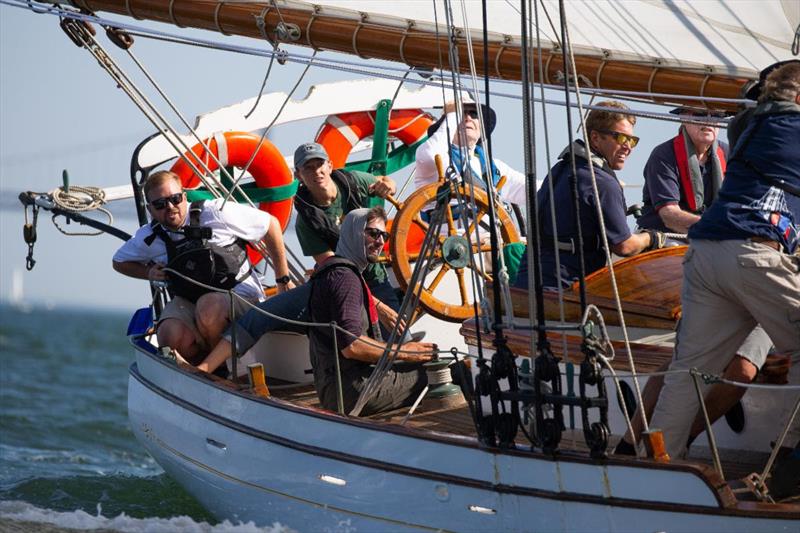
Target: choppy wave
pixel 23 516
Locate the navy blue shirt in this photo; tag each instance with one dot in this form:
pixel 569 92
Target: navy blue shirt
pixel 748 204
pixel 662 185
pixel 612 202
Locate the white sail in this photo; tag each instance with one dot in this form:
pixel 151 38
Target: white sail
pixel 732 37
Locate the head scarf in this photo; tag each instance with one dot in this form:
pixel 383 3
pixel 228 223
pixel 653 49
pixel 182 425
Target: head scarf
pixel 351 238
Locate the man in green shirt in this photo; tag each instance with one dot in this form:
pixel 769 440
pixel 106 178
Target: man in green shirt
pixel 324 197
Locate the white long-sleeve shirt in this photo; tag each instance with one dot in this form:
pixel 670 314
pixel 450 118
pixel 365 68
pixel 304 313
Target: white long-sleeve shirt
pixel 438 143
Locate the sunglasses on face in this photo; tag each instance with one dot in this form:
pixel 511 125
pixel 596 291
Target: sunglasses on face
pixel 472 113
pixel 622 138
pixel 160 203
pixel 375 233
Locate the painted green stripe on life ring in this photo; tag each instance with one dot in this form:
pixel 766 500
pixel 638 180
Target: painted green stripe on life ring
pixel 254 192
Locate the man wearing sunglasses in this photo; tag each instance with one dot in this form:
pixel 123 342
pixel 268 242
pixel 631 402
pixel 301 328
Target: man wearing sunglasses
pixel 459 143
pixel 609 130
pixel 681 179
pixel 339 294
pixel 741 268
pixel 683 175
pixel 193 321
pixel 324 197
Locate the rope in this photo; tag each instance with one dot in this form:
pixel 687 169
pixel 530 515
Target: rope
pixel 604 237
pixel 80 199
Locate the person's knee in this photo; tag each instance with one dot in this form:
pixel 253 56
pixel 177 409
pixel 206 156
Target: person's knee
pixel 212 312
pixel 740 370
pixel 175 334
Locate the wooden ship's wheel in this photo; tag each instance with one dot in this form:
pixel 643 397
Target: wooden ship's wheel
pixel 455 253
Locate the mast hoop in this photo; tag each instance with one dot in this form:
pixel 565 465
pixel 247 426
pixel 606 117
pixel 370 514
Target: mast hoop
pixel 547 67
pixel 497 59
pixel 354 41
pixel 216 19
pixel 600 74
pixel 311 20
pixel 703 87
pixel 406 31
pixel 130 12
pixel 652 77
pixel 171 11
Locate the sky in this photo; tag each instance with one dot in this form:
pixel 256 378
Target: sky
pixel 59 110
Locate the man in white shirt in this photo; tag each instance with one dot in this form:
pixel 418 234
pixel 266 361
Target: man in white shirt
pixel 459 143
pixel 195 318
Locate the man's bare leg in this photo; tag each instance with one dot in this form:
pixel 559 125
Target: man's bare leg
pixel 721 397
pixel 212 316
pixel 718 399
pixel 178 336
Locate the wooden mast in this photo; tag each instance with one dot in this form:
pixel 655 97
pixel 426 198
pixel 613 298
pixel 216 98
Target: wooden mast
pixel 359 35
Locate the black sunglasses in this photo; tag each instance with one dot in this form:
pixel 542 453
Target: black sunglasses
pixel 472 113
pixel 161 203
pixel 622 138
pixel 375 233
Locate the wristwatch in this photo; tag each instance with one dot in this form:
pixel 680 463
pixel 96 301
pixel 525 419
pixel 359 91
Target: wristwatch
pixel 283 280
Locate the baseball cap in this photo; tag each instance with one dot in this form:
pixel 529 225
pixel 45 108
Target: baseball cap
pixel 308 151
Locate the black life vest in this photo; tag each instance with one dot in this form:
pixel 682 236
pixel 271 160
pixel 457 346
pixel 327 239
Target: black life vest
pixel 331 263
pixel 200 260
pixel 315 217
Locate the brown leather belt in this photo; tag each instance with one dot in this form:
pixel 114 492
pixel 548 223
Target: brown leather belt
pixel 775 245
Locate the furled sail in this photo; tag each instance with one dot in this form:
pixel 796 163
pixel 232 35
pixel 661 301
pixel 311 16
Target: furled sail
pixel 656 46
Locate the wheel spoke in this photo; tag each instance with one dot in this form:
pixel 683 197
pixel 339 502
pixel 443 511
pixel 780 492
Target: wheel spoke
pixel 478 216
pixel 438 279
pixel 451 225
pixel 462 286
pixel 424 226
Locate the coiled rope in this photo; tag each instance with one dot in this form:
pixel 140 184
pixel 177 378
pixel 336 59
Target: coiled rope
pixel 79 199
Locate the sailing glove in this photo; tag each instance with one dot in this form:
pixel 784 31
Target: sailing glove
pixel 657 240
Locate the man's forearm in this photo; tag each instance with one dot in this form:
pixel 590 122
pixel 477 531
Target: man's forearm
pixel 132 269
pixel 273 241
pixel 676 219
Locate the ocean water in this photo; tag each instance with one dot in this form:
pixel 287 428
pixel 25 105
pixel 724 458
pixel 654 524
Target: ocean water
pixel 68 459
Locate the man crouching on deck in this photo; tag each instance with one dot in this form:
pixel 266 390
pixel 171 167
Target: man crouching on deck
pixel 339 294
pixel 195 318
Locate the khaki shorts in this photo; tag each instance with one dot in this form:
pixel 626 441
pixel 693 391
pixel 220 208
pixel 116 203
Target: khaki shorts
pixel 184 310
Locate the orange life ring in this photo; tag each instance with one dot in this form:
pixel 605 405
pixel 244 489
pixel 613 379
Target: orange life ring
pixel 340 133
pixel 269 169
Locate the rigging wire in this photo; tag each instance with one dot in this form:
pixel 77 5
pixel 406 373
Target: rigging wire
pixel 604 237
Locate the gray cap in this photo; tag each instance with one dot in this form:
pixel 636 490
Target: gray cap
pixel 308 151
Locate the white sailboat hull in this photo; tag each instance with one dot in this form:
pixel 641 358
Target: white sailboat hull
pixel 266 461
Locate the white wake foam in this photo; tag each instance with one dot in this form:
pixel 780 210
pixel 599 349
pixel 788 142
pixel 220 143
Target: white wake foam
pixel 81 520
